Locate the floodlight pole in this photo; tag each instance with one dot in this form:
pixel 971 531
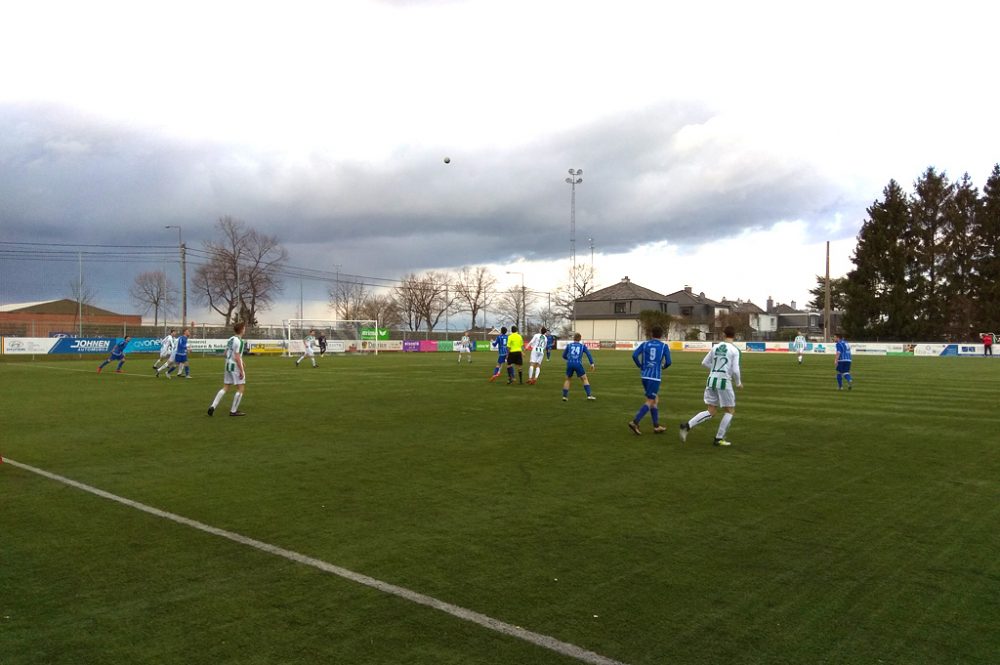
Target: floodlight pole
pixel 573 181
pixel 826 304
pixel 524 313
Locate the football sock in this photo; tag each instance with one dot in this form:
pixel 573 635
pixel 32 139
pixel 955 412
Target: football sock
pixel 123 362
pixel 496 371
pixel 237 398
pixel 538 370
pixel 510 372
pixel 565 392
pixel 724 425
pixel 840 380
pixel 699 419
pixel 586 388
pixel 218 397
pixel 655 413
pixel 520 376
pixel 848 377
pixel 187 370
pixel 641 413
pixel 103 364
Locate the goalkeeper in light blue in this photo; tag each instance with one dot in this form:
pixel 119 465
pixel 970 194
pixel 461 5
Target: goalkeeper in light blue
pixel 723 363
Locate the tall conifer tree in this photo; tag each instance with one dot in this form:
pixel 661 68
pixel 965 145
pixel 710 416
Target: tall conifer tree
pixel 987 230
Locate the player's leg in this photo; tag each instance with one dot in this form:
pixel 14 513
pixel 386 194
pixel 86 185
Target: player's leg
pixel 218 396
pixel 727 399
pixel 654 413
pixel 586 385
pixel 237 398
pixel 103 364
pixel 569 374
pixel 711 402
pixel 120 363
pixel 847 376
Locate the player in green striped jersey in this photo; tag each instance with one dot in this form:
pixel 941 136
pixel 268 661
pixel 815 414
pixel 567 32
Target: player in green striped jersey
pixel 723 363
pixel 234 374
pixel 308 342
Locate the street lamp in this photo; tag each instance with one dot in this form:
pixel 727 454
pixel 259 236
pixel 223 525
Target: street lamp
pixel 524 314
pixel 184 286
pixel 573 180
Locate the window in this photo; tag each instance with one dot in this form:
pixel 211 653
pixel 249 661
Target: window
pixel 619 308
pixel 687 311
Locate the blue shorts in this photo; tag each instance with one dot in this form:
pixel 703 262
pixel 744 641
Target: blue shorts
pixel 181 358
pixel 575 369
pixel 652 387
pixel 117 356
pixel 843 366
pixel 501 359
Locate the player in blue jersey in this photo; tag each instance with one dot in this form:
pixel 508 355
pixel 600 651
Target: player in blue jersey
pixel 573 354
pixel 551 344
pixel 180 357
pixel 843 363
pixel 500 344
pixel 652 357
pixel 117 353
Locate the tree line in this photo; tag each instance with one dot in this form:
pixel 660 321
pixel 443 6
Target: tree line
pixel 927 263
pixel 241 274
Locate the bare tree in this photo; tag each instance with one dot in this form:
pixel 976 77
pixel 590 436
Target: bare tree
pixel 576 286
pixel 513 304
pixel 474 290
pixel 348 296
pixel 152 290
pixel 241 276
pixel 381 307
pixel 424 299
pixel 81 292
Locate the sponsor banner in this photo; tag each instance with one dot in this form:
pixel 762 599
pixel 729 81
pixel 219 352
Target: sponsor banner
pixel 970 349
pixel 929 349
pixel 446 345
pixel 206 345
pixel 391 345
pixel 411 345
pixel 83 344
pixel 676 345
pixel 756 347
pixel 428 345
pixel 143 345
pixel 697 346
pixel 28 345
pixel 61 334
pixel 607 344
pixel 375 333
pixel 626 346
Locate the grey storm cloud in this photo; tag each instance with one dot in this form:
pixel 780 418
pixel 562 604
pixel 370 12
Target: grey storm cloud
pixel 75 178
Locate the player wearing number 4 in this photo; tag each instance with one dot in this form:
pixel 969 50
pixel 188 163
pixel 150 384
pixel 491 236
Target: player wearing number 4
pixel 652 357
pixel 234 374
pixel 573 354
pixel 723 363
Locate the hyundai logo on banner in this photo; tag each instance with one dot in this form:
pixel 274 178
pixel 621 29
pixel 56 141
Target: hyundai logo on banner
pixel 82 345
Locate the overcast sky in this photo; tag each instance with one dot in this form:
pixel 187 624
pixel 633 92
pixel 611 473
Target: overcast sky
pixel 722 143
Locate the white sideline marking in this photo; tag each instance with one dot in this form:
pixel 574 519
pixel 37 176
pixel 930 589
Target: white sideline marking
pixel 483 620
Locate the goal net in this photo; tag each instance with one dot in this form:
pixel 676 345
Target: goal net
pixel 332 335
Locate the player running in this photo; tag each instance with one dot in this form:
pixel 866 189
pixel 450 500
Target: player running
pixel 117 353
pixel 539 344
pixel 308 341
pixel 234 373
pixel 166 350
pixel 573 354
pixel 464 348
pixel 723 363
pixel 651 357
pixel 500 344
pixel 180 358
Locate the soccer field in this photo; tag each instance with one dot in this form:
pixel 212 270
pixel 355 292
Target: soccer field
pixel 840 527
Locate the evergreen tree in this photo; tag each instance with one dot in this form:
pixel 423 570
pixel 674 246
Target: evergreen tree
pixel 926 251
pixel 959 262
pixel 987 230
pixel 838 294
pixel 877 303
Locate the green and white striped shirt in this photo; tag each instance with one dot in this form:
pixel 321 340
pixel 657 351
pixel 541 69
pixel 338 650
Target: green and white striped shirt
pixel 723 363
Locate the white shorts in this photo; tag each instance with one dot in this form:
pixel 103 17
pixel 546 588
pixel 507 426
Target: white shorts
pixel 233 378
pixel 537 356
pixel 309 352
pixel 716 397
pixel 165 354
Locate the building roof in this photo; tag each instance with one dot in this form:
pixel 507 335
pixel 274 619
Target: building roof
pixel 64 306
pixel 624 290
pixel 742 306
pixel 687 296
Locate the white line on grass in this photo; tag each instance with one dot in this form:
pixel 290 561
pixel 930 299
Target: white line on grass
pixel 483 620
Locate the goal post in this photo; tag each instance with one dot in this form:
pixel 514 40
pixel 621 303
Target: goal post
pixel 340 335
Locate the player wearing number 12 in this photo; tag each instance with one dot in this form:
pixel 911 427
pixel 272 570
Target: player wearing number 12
pixel 723 363
pixel 652 357
pixel 234 373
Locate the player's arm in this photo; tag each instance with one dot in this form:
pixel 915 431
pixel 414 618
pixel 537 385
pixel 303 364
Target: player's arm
pixel 636 354
pixel 707 360
pixel 593 365
pixel 666 357
pixel 735 370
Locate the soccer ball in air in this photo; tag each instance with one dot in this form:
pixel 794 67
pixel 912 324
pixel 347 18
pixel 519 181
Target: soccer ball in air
pixel 447 160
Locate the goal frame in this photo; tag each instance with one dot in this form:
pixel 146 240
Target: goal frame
pixel 363 345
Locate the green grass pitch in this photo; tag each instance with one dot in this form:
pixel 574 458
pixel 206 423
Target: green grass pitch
pixel 840 527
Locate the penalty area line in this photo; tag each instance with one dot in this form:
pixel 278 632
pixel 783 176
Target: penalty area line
pixel 538 639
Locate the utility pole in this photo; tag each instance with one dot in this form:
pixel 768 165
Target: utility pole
pixel 184 282
pixel 573 181
pixel 826 304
